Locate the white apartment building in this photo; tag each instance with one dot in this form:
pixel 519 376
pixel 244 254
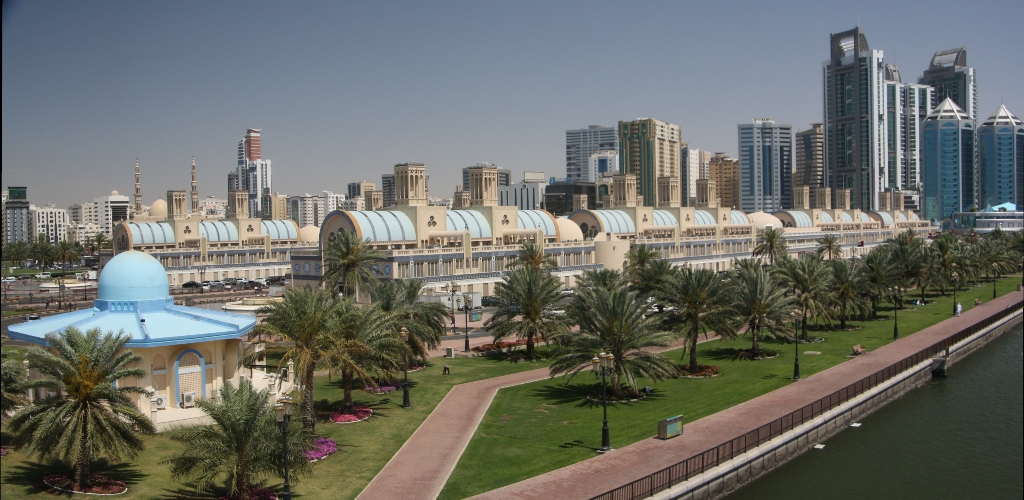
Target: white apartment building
pixel 580 145
pixel 306 209
pixel 50 221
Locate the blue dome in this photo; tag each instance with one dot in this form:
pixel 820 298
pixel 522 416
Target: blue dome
pixel 133 275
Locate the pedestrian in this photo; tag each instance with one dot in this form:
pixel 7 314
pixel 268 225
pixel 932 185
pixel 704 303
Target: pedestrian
pixel 959 309
pixel 47 303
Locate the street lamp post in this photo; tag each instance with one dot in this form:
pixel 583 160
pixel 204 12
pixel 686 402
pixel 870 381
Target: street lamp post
pixel 604 363
pixel 995 267
pixel 469 305
pixel 404 332
pixel 796 350
pixel 956 283
pixel 283 415
pixel 896 292
pixel 451 302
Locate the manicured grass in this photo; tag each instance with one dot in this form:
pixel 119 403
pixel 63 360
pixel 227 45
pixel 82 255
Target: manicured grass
pixel 536 428
pixel 363 448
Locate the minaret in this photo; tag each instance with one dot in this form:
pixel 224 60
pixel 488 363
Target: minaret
pixel 138 190
pixel 195 189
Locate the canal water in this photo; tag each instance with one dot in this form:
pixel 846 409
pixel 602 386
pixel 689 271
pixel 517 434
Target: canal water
pixel 959 437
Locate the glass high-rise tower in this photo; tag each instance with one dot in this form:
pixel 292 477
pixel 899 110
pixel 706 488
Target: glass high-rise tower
pixel 1001 144
pixel 948 162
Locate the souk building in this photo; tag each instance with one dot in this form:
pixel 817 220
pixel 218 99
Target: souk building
pixel 469 247
pixel 187 353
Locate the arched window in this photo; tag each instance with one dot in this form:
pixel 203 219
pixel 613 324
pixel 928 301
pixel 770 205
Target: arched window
pixel 189 375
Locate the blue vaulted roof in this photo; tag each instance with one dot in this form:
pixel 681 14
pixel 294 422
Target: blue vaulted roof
pixel 537 219
pixel 664 218
pixel 151 233
pixel 280 229
pixel 886 218
pixel 615 221
pixel 469 220
pixel 864 217
pixel 218 230
pixel 737 217
pixel 702 218
pixel 384 225
pixel 845 217
pixel 825 217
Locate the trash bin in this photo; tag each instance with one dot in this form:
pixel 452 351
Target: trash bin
pixel 449 352
pixel 670 427
pixel 475 316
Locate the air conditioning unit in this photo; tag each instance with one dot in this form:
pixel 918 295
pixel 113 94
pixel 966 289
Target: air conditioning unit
pixel 159 401
pixel 190 399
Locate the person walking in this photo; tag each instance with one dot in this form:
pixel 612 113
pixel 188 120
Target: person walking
pixel 959 309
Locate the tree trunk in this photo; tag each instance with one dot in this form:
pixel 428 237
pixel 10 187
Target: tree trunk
pixel 842 317
pixel 346 383
pixel 529 347
pixel 803 326
pixel 309 420
pixel 82 482
pixel 693 350
pixel 242 480
pixel 756 347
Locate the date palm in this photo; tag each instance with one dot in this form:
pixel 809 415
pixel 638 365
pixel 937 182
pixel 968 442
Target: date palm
pixel 847 282
pixel 65 252
pixel 810 279
pixel 364 342
pixel 425 321
pixel 617 325
pixel 349 263
pixel 532 256
pixel 637 258
pixel 829 247
pixel 89 412
pixel 242 447
pixel 12 375
pixel 878 277
pixel 764 305
pixel 704 302
pixel 772 244
pixel 608 279
pixel 298 329
pixel 523 296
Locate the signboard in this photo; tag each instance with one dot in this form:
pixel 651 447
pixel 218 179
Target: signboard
pixel 17 193
pixel 670 427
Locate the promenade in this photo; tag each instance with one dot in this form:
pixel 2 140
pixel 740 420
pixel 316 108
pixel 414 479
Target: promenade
pixel 422 466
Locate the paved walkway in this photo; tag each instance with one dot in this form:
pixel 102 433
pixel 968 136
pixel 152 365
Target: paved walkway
pixel 606 472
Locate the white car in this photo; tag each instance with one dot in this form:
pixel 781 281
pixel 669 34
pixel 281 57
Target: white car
pixel 555 312
pixel 43 276
pixel 10 279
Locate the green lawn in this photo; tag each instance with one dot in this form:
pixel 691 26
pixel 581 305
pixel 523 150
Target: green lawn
pixel 536 428
pixel 364 448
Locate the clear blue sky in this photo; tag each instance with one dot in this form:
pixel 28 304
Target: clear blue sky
pixel 343 91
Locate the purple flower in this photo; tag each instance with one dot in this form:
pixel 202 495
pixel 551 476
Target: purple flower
pixel 322 448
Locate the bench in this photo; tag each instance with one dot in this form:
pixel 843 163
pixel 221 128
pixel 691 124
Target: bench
pixel 858 350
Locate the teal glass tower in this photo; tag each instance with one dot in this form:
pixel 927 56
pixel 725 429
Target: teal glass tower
pixel 948 162
pixel 1001 145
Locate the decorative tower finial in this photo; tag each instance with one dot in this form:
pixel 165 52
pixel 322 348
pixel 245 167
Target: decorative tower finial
pixel 138 189
pixel 195 188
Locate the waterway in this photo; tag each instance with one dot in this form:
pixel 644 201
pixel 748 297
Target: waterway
pixel 958 437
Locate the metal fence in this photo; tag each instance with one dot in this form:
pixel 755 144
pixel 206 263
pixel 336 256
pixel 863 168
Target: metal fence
pixel 702 462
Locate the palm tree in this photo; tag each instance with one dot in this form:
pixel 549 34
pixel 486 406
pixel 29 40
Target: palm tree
pixel 424 320
pixel 349 262
pixel 829 247
pixel 651 278
pixel 810 279
pixel 65 252
pixel 12 375
pixel 608 279
pixel 17 252
pixel 531 256
pixel 878 277
pixel 43 253
pixel 772 245
pixel 88 411
pixel 243 445
pixel 704 303
pixel 523 297
pixel 364 342
pixel 764 306
pixel 846 286
pixel 617 325
pixel 300 330
pixel 1017 244
pixel 638 258
pixel 944 250
pixel 100 241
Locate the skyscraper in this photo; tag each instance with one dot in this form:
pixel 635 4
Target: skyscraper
pixel 766 166
pixel 725 171
pixel 387 187
pixel 504 175
pixel 810 160
pixel 906 107
pixel 649 149
pixel 1001 141
pixel 853 82
pixel 950 76
pixel 252 173
pixel 948 162
pixel 17 224
pixel 580 145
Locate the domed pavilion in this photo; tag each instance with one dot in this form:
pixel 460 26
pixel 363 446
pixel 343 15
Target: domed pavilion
pixel 188 353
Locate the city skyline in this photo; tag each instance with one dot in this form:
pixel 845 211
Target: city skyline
pixel 343 93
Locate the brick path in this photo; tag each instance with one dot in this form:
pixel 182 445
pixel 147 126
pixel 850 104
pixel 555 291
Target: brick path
pixel 606 472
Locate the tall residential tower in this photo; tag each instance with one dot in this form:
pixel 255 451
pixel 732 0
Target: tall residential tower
pixel 766 166
pixel 580 145
pixel 649 149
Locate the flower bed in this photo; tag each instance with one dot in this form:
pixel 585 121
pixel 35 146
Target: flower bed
pixel 322 448
pixel 356 414
pixel 4 452
pixel 255 494
pixel 703 371
pixel 384 389
pixel 101 485
pixel 499 346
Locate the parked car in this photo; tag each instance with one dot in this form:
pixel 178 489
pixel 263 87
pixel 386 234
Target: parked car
pixel 555 312
pixel 43 276
pixel 489 301
pixel 10 279
pixel 191 284
pixel 260 281
pixel 567 292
